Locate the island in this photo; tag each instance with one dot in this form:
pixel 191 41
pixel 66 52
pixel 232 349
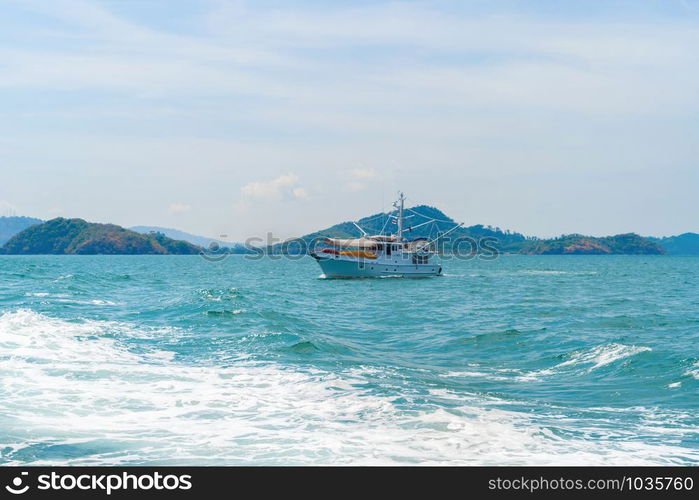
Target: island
pixel 572 244
pixel 504 240
pixel 77 236
pixel 27 235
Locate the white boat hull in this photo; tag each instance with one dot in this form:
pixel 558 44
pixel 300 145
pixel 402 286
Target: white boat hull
pixel 338 267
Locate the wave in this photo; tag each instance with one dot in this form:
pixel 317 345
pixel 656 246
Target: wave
pixel 594 358
pixel 693 371
pixel 74 393
pixel 579 362
pixel 603 355
pixel 64 277
pixel 553 272
pixel 498 374
pixel 219 294
pixel 225 312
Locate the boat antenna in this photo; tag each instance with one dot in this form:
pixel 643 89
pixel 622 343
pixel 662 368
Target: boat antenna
pixel 400 204
pixel 426 245
pixel 364 233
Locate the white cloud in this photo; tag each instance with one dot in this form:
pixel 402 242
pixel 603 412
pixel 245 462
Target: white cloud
pixel 179 208
pixel 283 187
pixel 359 178
pixel 580 64
pixel 300 193
pixel 483 97
pixel 364 173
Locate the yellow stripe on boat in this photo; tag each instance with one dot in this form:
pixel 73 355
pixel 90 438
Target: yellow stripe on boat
pixel 359 254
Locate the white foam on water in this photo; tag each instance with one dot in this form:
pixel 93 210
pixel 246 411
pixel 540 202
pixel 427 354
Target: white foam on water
pixel 495 374
pixel 100 302
pixel 603 355
pixel 693 371
pixel 544 272
pixel 67 383
pixel 594 358
pixel 92 302
pixel 467 374
pixel 588 359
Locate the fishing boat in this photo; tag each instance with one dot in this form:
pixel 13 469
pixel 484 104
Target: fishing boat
pixel 382 255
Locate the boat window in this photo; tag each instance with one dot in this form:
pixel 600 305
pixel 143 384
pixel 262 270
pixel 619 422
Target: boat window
pixel 388 249
pixel 420 259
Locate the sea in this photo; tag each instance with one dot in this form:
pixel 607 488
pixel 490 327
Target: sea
pixel 180 360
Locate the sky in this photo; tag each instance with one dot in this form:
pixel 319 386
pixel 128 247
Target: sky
pixel 245 118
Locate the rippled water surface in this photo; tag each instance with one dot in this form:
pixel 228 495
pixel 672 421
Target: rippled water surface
pixel 176 360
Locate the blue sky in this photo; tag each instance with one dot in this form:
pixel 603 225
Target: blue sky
pixel 239 118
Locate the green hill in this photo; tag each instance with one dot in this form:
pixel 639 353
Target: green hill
pixel 507 241
pixel 76 236
pixel 25 235
pixel 577 244
pixel 374 224
pixel 682 244
pixel 9 226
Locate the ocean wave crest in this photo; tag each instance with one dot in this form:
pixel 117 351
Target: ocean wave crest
pixel 69 385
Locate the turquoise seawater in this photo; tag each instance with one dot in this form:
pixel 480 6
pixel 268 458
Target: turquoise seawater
pixel 176 360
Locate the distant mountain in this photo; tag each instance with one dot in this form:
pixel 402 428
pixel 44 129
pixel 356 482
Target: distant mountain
pixel 374 224
pixel 201 241
pixel 577 244
pixel 33 236
pixel 683 244
pixel 9 226
pixel 507 241
pixel 76 236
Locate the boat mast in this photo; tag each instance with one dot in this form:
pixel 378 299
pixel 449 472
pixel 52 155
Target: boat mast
pixel 401 200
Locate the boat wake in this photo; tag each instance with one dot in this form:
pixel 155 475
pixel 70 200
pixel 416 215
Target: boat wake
pixel 78 392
